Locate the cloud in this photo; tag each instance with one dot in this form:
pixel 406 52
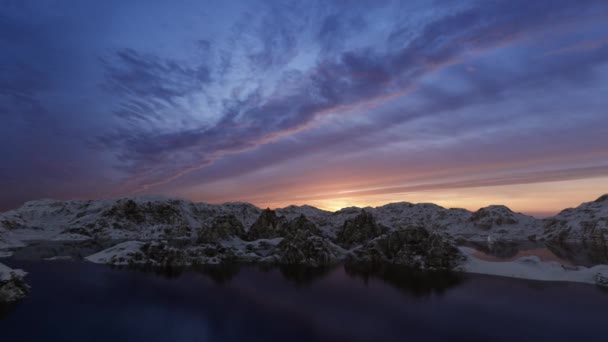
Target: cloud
pixel 513 179
pixel 338 83
pixel 581 46
pixel 183 89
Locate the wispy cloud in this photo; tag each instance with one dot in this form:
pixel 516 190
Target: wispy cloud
pixel 106 98
pixel 335 83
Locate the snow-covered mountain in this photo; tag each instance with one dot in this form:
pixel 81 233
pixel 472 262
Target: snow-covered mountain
pixel 161 231
pixel 587 223
pixel 140 217
pixel 163 218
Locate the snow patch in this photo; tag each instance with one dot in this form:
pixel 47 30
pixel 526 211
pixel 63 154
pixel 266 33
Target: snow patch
pixel 122 250
pixel 533 268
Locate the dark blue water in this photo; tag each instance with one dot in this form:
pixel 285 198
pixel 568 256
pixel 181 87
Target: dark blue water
pixel 74 301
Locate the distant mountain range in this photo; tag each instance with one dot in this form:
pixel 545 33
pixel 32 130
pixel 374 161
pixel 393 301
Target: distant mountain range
pixel 170 232
pixel 154 218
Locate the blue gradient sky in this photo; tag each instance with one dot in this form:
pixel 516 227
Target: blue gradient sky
pixel 330 103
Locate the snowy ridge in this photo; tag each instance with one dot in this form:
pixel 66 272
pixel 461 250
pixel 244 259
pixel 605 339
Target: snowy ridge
pixel 162 231
pixel 157 217
pixel 587 223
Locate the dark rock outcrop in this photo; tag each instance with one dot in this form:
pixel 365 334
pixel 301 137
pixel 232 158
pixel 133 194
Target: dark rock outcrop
pixel 358 230
pixel 267 226
pixel 302 223
pixel 149 212
pixel 164 255
pixel 12 285
pixel 303 247
pixel 221 228
pixel 412 247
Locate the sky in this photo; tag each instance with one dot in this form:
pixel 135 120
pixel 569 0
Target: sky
pixel 327 103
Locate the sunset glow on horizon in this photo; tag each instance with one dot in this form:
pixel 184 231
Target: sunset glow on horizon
pixel 326 103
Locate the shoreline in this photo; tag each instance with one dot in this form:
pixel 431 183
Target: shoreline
pixel 532 267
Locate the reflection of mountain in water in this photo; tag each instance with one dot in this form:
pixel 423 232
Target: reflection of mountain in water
pixel 410 281
pixel 220 273
pixel 584 254
pixel 303 275
pixel 580 254
pixel 166 271
pixel 6 309
pixel 499 249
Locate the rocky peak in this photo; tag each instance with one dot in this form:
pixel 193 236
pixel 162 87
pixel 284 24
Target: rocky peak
pixel 495 215
pixel 221 228
pixel 155 212
pixel 267 226
pixel 303 247
pixel 359 229
pixel 414 247
pixel 302 223
pixel 586 223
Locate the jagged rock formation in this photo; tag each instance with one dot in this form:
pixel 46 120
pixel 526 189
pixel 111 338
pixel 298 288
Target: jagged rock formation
pixel 414 247
pixel 157 218
pixel 240 231
pixel 302 223
pixel 359 229
pixel 303 245
pixel 12 285
pixel 300 243
pixel 221 228
pixel 267 226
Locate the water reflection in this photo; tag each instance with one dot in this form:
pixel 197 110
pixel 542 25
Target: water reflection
pixel 410 281
pixel 568 254
pixel 6 309
pixel 76 301
pixel 499 249
pixel 220 274
pixel 304 275
pixel 581 254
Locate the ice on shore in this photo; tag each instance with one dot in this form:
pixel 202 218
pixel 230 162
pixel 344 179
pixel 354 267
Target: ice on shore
pixel 533 268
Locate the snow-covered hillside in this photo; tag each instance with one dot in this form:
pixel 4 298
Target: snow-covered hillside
pixel 128 218
pixel 587 223
pixel 162 218
pixel 161 231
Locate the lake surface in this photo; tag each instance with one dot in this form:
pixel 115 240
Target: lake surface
pixel 77 301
